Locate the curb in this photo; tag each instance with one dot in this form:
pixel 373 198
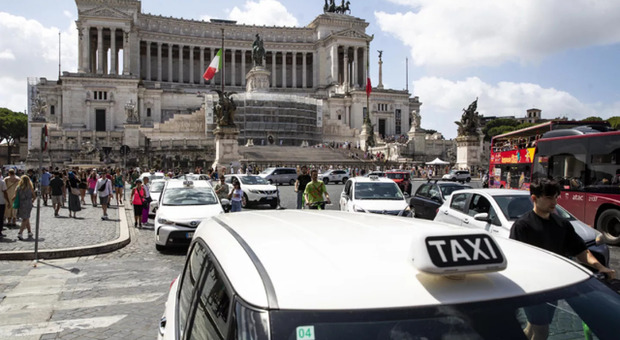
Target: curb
pixel 94 249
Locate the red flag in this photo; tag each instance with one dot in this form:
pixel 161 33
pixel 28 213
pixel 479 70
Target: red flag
pixel 368 87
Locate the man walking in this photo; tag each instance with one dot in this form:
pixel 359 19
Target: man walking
pixel 300 185
pixel 45 185
pixel 104 191
pixel 57 187
pixel 314 191
pixel 4 199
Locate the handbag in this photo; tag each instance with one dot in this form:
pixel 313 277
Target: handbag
pixel 75 191
pixel 16 201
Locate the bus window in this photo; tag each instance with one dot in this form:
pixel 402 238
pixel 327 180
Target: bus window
pixel 565 163
pixel 605 165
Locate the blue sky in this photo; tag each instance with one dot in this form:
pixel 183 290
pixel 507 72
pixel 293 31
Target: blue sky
pixel 561 57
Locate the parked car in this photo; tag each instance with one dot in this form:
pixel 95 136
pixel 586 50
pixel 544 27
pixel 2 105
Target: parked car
pixel 155 188
pixel 152 176
pixel 495 210
pixel 303 275
pixel 457 176
pixel 402 178
pixel 256 190
pixel 375 173
pixel 373 194
pixel 182 206
pixel 280 175
pixel 430 196
pixel 193 177
pixel 335 176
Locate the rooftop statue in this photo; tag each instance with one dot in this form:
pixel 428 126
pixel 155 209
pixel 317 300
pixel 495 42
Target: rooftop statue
pixel 225 109
pixel 258 51
pixel 130 111
pixel 332 8
pixel 470 121
pixel 38 109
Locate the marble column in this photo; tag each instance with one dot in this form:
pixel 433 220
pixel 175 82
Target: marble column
pixel 345 73
pixel 365 69
pixel 294 69
pixel 284 69
pixel 113 53
pixel 202 64
pixel 303 70
pixel 126 53
pixel 100 54
pixel 170 73
pixel 273 69
pixel 181 63
pixel 334 58
pixel 243 70
pixel 85 57
pixel 233 66
pixel 355 68
pixel 191 64
pixel 315 69
pixel 159 61
pixel 148 60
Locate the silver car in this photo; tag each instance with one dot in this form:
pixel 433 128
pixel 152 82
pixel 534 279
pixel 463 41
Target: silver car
pixel 495 210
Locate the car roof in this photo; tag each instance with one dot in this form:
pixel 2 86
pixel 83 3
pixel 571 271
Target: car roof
pixel 371 180
pixel 179 183
pixel 333 260
pixel 497 192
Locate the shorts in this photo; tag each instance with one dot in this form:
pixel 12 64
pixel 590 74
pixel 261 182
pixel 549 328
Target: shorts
pixel 540 314
pixel 57 199
pixel 45 189
pixel 137 209
pixel 91 191
pixel 104 199
pixel 120 186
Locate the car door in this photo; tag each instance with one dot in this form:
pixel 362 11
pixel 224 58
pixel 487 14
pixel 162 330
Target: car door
pixel 417 201
pixel 454 212
pixel 433 202
pixel 478 204
pixel 345 196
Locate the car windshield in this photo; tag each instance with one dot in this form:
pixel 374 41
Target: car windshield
pixel 514 206
pixel 250 180
pixel 447 190
pixel 154 177
pixel 189 196
pixel 157 186
pixel 577 315
pixel 395 175
pixel 377 191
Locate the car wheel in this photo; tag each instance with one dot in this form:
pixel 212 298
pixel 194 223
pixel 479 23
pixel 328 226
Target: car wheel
pixel 609 224
pixel 244 201
pixel 270 181
pixel 326 180
pixel 274 204
pixel 468 179
pixel 291 182
pixel 159 247
pixel 453 179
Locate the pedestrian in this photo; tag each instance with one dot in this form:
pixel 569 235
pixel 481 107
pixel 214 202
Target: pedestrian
pixel 542 228
pixel 73 191
pixel 26 194
pixel 45 182
pixel 300 185
pixel 315 190
pixel 137 199
pixel 57 186
pixel 235 197
pixel 4 199
pixel 11 182
pixel 83 185
pixel 92 183
pixel 119 183
pixel 147 201
pixel 104 191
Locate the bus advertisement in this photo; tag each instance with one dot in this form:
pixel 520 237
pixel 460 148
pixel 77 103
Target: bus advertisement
pixel 587 166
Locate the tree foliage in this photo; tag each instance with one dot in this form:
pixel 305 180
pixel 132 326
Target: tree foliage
pixel 498 126
pixel 13 126
pixel 615 122
pixel 592 119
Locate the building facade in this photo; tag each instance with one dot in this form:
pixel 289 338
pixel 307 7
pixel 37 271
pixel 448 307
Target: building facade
pixel 150 67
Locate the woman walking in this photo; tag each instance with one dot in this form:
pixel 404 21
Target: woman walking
pixel 11 182
pixel 27 196
pixel 147 201
pixel 118 186
pixel 83 185
pixel 73 191
pixel 235 197
pixel 137 199
pixel 92 183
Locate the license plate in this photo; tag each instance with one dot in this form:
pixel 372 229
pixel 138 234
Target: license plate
pixel 189 235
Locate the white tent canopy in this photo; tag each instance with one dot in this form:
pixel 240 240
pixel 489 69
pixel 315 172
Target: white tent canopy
pixel 437 161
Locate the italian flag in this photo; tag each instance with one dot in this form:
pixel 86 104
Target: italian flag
pixel 216 65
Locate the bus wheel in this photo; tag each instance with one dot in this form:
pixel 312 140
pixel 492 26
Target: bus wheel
pixel 609 224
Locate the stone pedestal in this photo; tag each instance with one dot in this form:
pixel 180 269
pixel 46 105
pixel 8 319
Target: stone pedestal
pixel 257 80
pixel 364 136
pixel 226 147
pixel 131 137
pixel 417 142
pixel 467 152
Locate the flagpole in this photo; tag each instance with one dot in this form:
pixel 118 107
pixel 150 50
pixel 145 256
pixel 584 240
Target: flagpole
pixel 223 62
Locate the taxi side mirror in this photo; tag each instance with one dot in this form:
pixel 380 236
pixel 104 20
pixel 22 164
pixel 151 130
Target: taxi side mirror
pixel 484 217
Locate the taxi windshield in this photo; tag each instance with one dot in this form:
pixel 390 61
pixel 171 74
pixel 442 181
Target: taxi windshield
pixel 587 310
pixel 157 186
pixel 377 191
pixel 251 180
pixel 189 196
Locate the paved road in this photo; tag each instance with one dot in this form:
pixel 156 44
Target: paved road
pixel 119 295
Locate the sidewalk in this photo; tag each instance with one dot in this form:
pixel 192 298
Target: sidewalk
pixel 61 237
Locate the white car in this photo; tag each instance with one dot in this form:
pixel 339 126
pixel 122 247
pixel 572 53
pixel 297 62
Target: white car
pixel 256 190
pixel 152 176
pixel 457 175
pixel 335 176
pixel 182 206
pixel 495 210
pixel 304 275
pixel 155 188
pixel 379 195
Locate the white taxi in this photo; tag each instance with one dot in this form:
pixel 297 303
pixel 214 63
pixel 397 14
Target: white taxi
pixel 313 275
pixel 373 194
pixel 182 206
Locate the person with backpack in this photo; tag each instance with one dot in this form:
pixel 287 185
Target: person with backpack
pixel 104 191
pixel 138 197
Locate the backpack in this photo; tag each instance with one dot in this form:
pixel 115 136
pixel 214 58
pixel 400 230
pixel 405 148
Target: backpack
pixel 103 187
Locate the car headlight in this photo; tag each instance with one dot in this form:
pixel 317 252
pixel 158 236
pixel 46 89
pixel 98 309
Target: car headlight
pixel 161 220
pixel 253 191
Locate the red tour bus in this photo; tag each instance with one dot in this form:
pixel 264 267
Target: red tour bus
pixel 586 163
pixel 512 153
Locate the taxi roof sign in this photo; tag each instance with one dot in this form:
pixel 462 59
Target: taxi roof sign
pixel 457 253
pixel 188 183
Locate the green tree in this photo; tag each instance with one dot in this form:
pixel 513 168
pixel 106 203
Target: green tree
pixel 498 130
pixel 592 119
pixel 508 122
pixel 13 126
pixel 615 122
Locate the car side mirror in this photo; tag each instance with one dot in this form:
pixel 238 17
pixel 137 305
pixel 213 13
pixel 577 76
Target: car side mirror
pixel 484 217
pixel 344 195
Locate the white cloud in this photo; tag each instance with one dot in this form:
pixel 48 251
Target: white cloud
pixel 31 49
pixel 444 100
pixel 263 12
pixel 490 32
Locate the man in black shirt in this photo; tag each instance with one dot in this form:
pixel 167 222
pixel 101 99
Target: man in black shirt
pixel 57 186
pixel 300 186
pixel 544 229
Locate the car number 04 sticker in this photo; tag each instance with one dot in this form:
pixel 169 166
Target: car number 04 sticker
pixel 305 332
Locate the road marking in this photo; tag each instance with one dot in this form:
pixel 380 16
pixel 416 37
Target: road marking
pixel 82 303
pixel 89 286
pixel 12 331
